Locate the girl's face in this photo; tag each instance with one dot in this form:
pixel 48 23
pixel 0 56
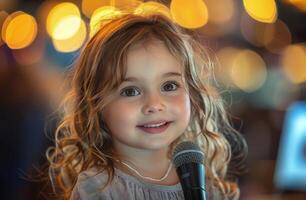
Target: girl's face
pixel 151 108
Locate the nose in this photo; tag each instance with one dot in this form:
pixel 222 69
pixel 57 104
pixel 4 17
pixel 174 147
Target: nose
pixel 153 104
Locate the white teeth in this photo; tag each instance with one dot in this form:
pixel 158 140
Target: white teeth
pixel 154 125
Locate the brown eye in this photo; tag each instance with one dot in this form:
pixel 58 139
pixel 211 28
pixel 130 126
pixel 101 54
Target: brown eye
pixel 170 86
pixel 129 92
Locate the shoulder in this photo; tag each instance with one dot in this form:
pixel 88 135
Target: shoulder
pixel 90 183
pixel 92 177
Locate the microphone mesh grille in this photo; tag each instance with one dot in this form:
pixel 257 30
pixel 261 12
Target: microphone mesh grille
pixel 187 152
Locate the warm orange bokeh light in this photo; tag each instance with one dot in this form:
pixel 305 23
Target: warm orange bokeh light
pixel 67 27
pixel 125 5
pixel 89 6
pixel 73 43
pixel 220 11
pixel 280 39
pixel 152 7
pixel 17 23
pixel 226 58
pixel 294 63
pixel 248 71
pixel 257 33
pixel 261 10
pixel 189 14
pixel 63 21
pixel 100 16
pixel 299 4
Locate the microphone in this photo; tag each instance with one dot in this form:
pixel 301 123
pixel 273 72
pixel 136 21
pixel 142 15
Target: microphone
pixel 188 160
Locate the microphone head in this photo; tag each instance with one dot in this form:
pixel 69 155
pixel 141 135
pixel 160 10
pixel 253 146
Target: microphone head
pixel 187 152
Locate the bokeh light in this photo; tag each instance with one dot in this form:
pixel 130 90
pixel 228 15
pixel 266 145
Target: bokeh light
pixel 42 13
pixel 189 14
pixel 125 5
pixel 220 11
pixel 59 17
pixel 274 37
pixel 294 63
pixel 152 7
pixel 17 23
pixel 223 17
pixel 241 68
pixel 255 32
pixel 280 39
pixel 261 10
pixel 100 16
pixel 299 4
pixel 248 71
pixel 67 27
pixel 89 6
pixel 73 43
pixel 226 58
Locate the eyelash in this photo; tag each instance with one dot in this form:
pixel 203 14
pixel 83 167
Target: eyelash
pixel 123 91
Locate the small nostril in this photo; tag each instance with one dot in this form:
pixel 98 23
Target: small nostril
pixel 153 103
pixel 154 109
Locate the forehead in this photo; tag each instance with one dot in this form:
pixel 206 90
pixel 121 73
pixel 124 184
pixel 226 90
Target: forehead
pixel 151 56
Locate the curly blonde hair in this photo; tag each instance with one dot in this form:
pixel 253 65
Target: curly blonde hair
pixel 82 139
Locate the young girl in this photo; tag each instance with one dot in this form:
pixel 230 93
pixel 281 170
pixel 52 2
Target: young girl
pixel 141 86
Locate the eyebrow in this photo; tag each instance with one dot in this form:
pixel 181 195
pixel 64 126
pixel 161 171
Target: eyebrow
pixel 168 74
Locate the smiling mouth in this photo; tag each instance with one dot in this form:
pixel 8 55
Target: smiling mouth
pixel 154 128
pixel 154 125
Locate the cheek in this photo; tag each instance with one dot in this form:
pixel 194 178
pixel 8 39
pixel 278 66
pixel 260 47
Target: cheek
pixel 182 106
pixel 118 115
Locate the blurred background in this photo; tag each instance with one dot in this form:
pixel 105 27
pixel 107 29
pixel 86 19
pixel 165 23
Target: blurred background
pixel 261 68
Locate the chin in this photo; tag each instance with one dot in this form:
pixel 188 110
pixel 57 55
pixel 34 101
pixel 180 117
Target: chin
pixel 156 145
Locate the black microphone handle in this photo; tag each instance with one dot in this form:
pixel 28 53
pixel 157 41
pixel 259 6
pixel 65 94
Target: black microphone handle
pixel 192 178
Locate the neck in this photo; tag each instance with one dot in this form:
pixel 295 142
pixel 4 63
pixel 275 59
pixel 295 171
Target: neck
pixel 146 160
pixel 149 163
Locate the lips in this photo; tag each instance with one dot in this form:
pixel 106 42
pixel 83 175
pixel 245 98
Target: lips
pixel 154 127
